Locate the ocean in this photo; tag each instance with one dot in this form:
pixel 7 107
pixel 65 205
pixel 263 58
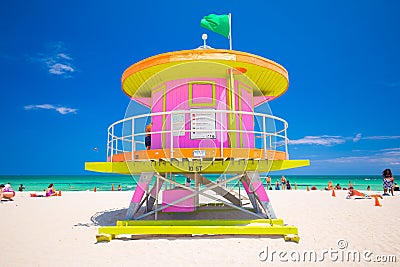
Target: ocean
pixel 128 183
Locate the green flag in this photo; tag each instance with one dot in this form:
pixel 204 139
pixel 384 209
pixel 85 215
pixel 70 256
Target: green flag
pixel 217 23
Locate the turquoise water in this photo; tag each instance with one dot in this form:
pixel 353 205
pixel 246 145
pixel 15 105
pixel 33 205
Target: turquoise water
pixel 104 182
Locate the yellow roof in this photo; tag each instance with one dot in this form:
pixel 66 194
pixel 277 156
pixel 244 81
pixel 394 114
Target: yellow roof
pixel 270 78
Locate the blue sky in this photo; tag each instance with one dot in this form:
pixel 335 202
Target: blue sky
pixel 61 64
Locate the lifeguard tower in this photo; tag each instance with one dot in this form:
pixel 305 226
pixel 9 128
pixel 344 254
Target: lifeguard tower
pixel 204 128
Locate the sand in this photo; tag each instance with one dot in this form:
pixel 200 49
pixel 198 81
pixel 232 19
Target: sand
pixel 61 231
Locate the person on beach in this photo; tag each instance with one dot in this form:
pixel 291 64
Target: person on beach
pixel 330 186
pixel 147 140
pixel 288 186
pixel 388 180
pixel 6 192
pixel 283 180
pixel 119 188
pixel 338 187
pixel 277 185
pixel 355 193
pixel 50 191
pixel 396 187
pixel 268 181
pixel 21 188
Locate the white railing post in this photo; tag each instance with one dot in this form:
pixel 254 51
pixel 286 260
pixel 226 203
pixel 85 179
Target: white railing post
pixel 171 145
pixel 116 145
pixel 112 143
pixel 112 140
pixel 133 139
pixel 221 135
pixel 265 137
pixel 108 143
pixel 286 141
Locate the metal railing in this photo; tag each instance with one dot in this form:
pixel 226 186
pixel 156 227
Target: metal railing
pixel 122 137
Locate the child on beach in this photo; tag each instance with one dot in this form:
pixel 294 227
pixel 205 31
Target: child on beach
pixel 388 180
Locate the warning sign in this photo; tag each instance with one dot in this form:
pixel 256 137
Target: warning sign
pixel 202 124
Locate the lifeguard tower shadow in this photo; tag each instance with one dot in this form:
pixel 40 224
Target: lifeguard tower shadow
pixel 206 212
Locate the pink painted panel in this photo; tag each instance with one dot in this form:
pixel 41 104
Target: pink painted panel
pixel 139 192
pixel 246 104
pixel 202 93
pixel 178 99
pixel 169 196
pixel 260 191
pixel 157 106
pixel 246 187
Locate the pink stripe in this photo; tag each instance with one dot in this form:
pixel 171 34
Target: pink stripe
pixel 154 189
pixel 139 192
pixel 246 187
pixel 260 190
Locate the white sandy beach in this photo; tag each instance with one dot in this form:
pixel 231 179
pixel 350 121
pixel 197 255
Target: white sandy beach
pixel 61 231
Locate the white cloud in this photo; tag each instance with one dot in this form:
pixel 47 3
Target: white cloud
pixel 331 140
pixel 389 158
pixel 60 69
pixel 61 110
pixel 382 137
pixel 56 60
pixel 324 140
pixel 391 149
pixel 357 138
pixel 65 56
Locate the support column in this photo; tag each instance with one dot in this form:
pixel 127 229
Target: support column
pixel 153 193
pixel 143 184
pixel 252 198
pixel 257 187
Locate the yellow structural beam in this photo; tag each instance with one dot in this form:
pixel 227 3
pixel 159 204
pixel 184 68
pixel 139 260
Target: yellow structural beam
pixel 200 227
pixel 199 222
pixel 199 166
pixel 199 230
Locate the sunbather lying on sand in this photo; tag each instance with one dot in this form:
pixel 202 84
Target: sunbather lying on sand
pixel 355 193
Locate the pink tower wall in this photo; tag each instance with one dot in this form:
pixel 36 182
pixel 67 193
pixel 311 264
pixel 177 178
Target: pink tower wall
pixel 174 95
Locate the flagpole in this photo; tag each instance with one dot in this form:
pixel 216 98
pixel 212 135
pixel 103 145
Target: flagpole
pixel 230 31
